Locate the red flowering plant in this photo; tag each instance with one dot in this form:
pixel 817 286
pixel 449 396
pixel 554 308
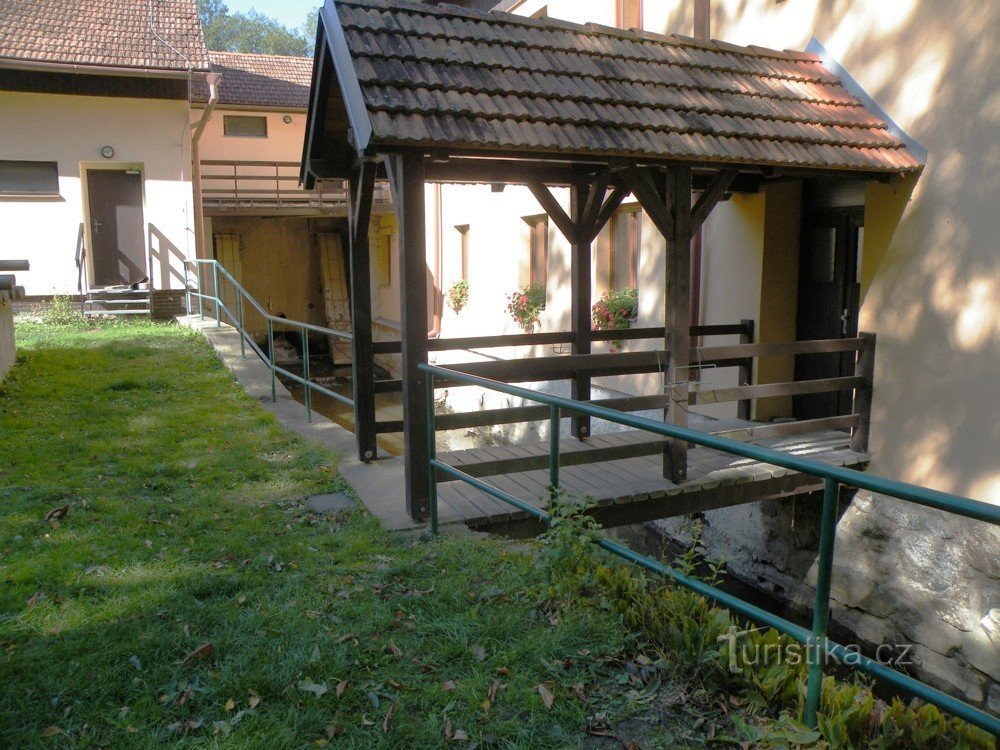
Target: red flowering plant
pixel 526 304
pixel 615 311
pixel 458 295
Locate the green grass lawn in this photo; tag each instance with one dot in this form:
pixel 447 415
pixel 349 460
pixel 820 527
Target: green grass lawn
pixel 187 597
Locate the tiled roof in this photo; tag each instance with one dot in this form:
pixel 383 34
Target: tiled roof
pixel 265 81
pixel 116 33
pixel 465 79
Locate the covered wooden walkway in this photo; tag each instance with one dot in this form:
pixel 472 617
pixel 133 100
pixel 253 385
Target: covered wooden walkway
pixel 416 94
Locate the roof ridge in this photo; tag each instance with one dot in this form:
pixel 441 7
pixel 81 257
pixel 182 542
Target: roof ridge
pixel 546 22
pixel 258 54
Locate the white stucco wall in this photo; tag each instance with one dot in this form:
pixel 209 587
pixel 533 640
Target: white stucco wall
pixel 151 135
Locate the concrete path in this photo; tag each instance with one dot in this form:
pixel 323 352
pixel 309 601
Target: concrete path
pixel 378 484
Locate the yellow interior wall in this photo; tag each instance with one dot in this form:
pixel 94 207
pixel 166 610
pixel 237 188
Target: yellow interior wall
pixel 778 291
pixel 884 206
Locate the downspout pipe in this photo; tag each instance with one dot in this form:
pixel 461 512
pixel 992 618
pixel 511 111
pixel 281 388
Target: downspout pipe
pixel 212 79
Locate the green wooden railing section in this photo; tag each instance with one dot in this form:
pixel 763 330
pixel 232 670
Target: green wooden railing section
pixel 818 645
pixel 219 278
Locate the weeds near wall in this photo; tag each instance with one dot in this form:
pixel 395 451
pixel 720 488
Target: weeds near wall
pixel 710 646
pixel 62 311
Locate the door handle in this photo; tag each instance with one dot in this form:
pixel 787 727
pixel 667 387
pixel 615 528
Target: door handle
pixel 844 317
pixel 95 224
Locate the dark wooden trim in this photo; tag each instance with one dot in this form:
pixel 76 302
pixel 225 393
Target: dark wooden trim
pixel 361 189
pixel 778 349
pixel 410 215
pixel 865 370
pixel 555 211
pixel 608 209
pixel 581 259
pixel 505 172
pixel 593 203
pixel 678 316
pixel 389 425
pixel 393 385
pixel 744 410
pixel 783 429
pixel 650 197
pixel 562 367
pixel 772 390
pixel 711 196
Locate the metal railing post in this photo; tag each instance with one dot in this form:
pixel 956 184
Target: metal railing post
pixel 187 290
pixel 816 648
pixel 270 358
pixel 201 302
pixel 215 292
pixel 305 374
pixel 239 320
pixel 553 453
pixel 432 495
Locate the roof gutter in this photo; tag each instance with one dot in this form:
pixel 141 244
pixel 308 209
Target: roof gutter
pixel 212 79
pixel 7 63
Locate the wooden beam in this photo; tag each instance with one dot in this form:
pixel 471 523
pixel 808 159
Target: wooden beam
pixel 592 204
pixel 744 409
pixel 865 370
pixel 410 210
pixel 779 349
pixel 711 196
pixel 555 211
pixel 677 316
pixel 504 171
pixel 361 190
pixel 608 209
pixel 783 429
pixel 773 390
pixel 580 306
pixel 646 191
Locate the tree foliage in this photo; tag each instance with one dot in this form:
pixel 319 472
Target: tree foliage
pixel 229 31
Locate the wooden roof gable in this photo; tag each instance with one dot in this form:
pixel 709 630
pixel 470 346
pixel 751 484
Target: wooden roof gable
pixel 451 78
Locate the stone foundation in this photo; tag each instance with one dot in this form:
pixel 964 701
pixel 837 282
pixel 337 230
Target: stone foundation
pixel 7 350
pixel 902 574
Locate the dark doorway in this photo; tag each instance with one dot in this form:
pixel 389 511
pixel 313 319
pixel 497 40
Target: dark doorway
pixel 829 298
pixel 117 232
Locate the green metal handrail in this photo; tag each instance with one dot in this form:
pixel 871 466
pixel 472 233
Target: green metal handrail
pixel 237 321
pixel 818 645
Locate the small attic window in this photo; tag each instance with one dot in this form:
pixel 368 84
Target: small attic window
pixel 244 126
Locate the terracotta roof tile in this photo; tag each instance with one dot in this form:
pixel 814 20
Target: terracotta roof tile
pixel 115 33
pixel 454 77
pixel 255 80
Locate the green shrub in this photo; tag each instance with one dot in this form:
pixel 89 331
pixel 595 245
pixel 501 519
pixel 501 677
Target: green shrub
pixel 63 310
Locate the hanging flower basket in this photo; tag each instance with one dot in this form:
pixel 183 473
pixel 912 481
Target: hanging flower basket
pixel 525 305
pixel 616 310
pixel 458 295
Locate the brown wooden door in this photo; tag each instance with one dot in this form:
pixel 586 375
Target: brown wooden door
pixel 117 231
pixel 829 298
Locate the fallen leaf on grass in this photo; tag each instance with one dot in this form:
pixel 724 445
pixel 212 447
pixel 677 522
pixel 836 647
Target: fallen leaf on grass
pixel 503 671
pixel 52 731
pixel 185 726
pixel 134 661
pixel 254 699
pixel 388 717
pixel 55 514
pixel 478 651
pixel 38 596
pixel 309 686
pixel 341 687
pixel 547 698
pixel 448 685
pixel 230 705
pixel 202 652
pixel 459 736
pixel 332 731
pixel 396 650
pixel 348 637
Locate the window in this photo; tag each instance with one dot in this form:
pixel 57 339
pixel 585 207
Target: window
pixel 538 249
pixel 463 249
pixel 244 126
pixel 29 178
pixel 628 14
pixel 626 238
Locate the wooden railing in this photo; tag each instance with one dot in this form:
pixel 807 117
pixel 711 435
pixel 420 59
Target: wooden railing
pixel 270 184
pixel 741 356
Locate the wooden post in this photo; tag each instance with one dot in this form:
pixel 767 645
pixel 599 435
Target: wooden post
pixel 580 302
pixel 746 369
pixel 865 368
pixel 361 188
pixel 677 316
pixel 413 315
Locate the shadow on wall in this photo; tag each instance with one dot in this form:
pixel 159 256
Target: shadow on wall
pixel 166 256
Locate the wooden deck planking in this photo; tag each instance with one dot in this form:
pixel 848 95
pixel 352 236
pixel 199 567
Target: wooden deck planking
pixel 631 489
